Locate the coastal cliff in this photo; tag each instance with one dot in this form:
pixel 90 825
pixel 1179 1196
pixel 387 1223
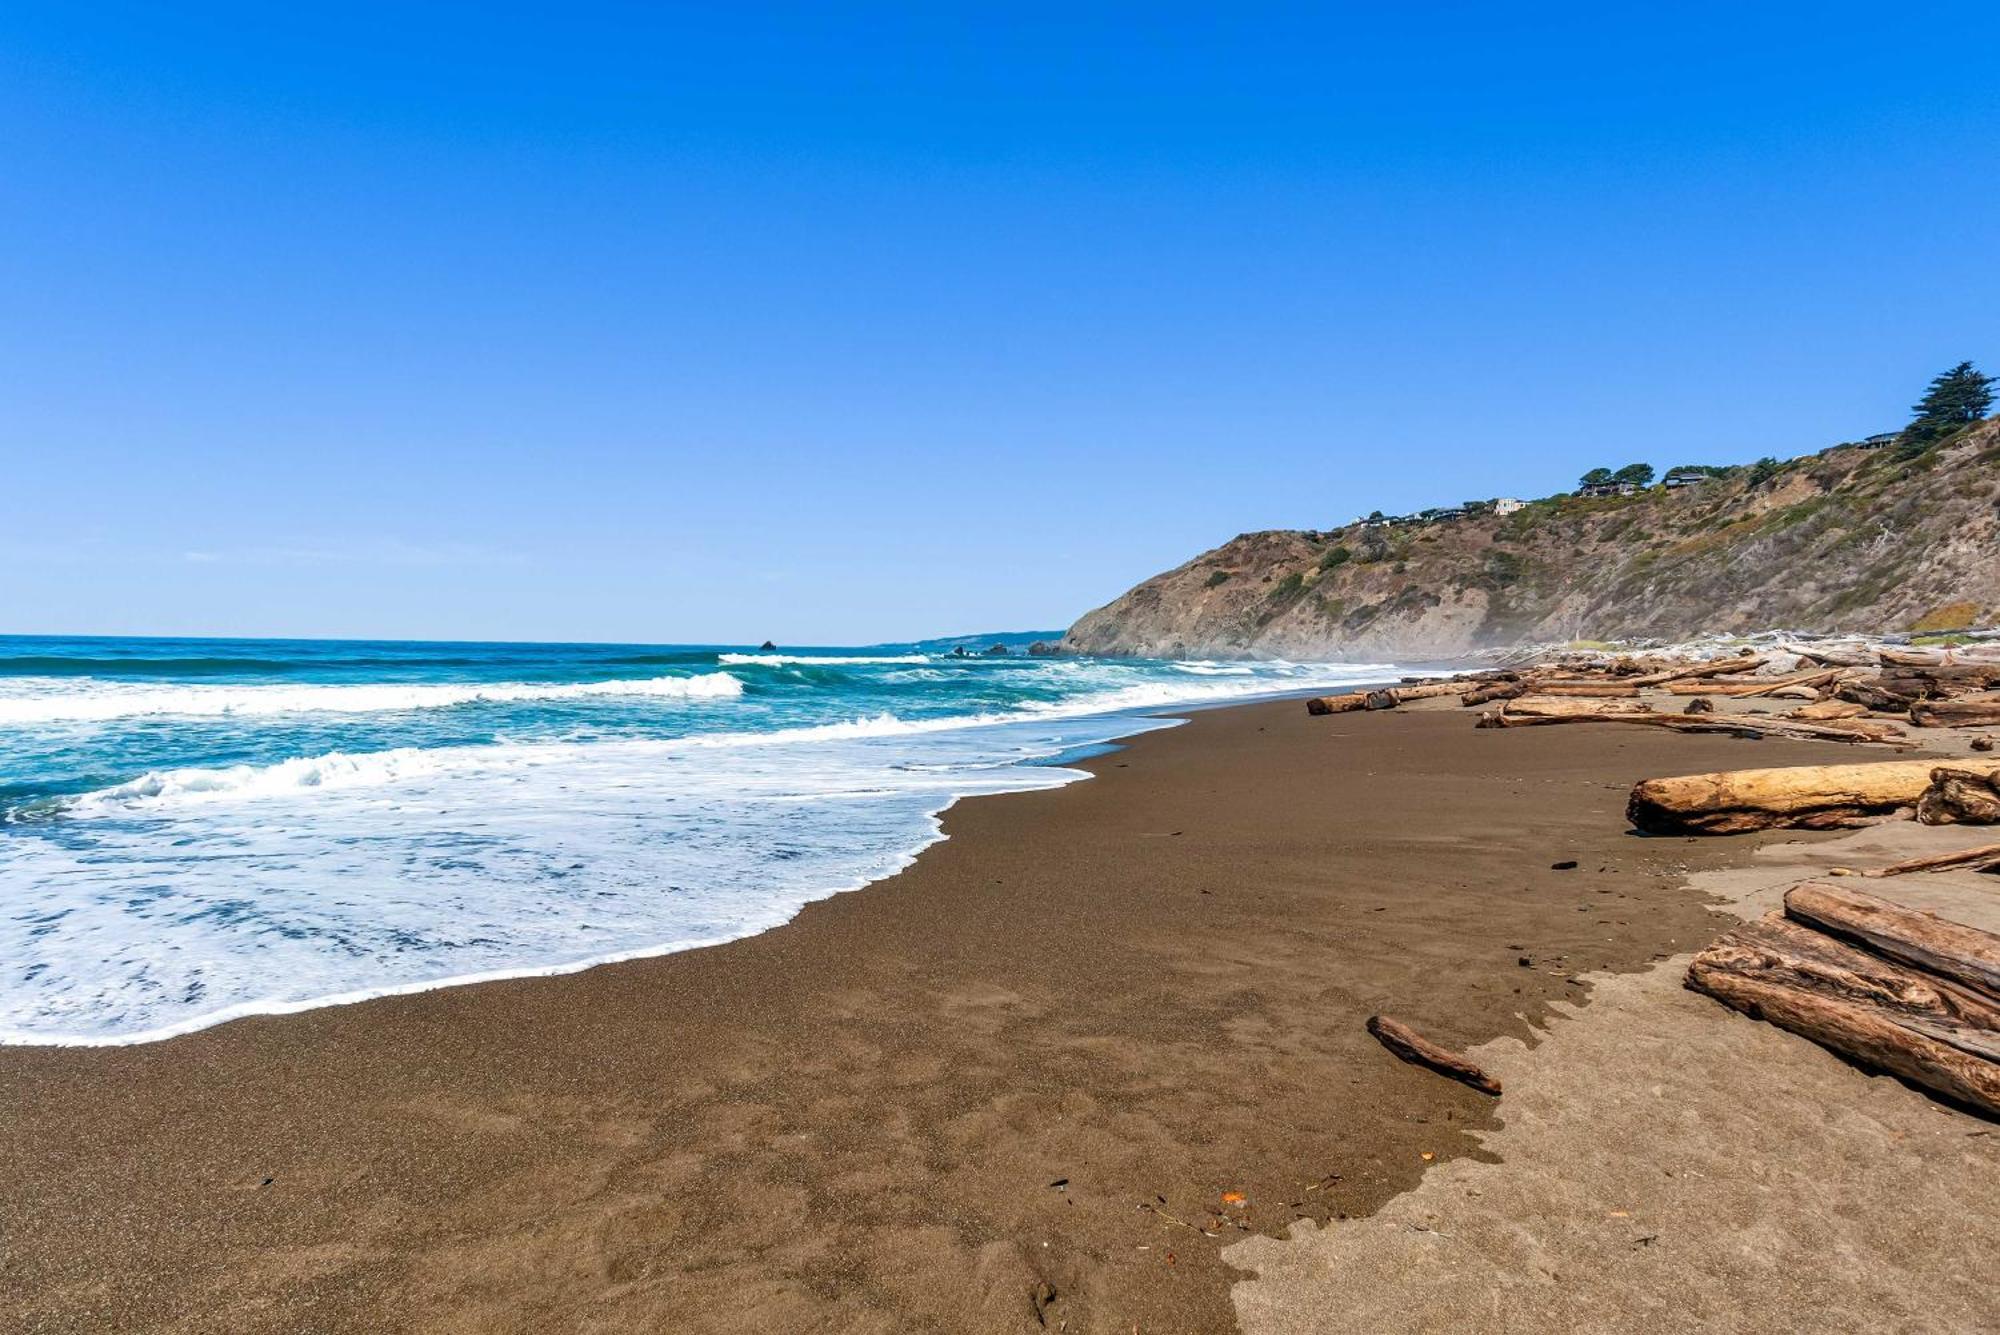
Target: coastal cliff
pixel 1848 539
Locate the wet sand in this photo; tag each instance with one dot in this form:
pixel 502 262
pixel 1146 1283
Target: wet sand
pixel 918 1102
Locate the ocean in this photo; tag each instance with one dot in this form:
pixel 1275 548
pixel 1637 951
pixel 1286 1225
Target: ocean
pixel 194 830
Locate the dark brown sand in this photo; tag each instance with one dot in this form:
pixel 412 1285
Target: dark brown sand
pixel 916 1103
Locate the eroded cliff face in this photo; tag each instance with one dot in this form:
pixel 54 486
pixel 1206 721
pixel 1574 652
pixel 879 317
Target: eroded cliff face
pixel 1851 539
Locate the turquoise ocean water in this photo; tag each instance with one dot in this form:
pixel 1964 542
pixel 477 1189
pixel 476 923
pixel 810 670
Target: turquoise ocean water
pixel 192 830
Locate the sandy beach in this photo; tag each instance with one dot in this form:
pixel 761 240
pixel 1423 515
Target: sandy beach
pixel 1019 1086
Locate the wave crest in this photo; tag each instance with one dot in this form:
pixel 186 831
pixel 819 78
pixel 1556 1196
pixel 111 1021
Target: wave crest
pixel 816 660
pixel 73 706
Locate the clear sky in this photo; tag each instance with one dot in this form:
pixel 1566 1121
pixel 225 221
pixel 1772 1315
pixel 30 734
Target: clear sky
pixel 837 323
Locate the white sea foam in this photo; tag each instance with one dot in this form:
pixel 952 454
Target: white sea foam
pixel 403 765
pixel 83 700
pixel 204 896
pixel 191 895
pixel 816 660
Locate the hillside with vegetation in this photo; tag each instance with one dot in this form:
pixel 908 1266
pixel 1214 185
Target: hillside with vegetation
pixel 1898 534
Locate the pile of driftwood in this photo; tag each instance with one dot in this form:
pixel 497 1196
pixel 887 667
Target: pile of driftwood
pixel 1859 694
pixel 1880 984
pixel 1818 797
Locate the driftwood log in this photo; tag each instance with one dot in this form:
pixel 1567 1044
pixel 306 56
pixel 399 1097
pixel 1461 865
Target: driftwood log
pixel 1827 711
pixel 1413 1047
pixel 1386 698
pixel 1713 668
pixel 1928 1031
pixel 1976 858
pixel 1600 690
pixel 1972 711
pixel 1952 950
pixel 1960 797
pixel 1534 711
pixel 1803 796
pixel 1835 657
pixel 1911 657
pixel 1873 695
pixel 1747 689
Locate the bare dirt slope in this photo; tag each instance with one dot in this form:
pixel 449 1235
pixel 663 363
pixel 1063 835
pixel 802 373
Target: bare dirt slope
pixel 1850 539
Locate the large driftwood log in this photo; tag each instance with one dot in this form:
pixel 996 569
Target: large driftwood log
pixel 1713 668
pixel 1749 689
pixel 1493 690
pixel 1530 710
pixel 1955 679
pixel 1337 704
pixel 1806 796
pixel 1413 1047
pixel 1912 657
pixel 1869 1010
pixel 1960 797
pixel 1535 711
pixel 1828 711
pixel 1975 858
pixel 1587 690
pixel 1428 690
pixel 1831 656
pixel 1971 711
pixel 1874 695
pixel 1952 950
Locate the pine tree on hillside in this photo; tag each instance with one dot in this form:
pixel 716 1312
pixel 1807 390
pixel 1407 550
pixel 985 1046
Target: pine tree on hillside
pixel 1596 477
pixel 1955 398
pixel 1639 475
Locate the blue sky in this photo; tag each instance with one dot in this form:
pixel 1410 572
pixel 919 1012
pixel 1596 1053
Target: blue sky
pixel 844 323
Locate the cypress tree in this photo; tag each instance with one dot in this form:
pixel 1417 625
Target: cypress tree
pixel 1955 398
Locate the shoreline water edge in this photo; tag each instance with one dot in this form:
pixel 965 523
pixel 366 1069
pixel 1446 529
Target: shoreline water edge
pixel 365 820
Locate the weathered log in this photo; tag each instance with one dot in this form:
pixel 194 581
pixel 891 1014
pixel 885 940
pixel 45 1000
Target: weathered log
pixel 1413 1047
pixel 1764 725
pixel 1965 955
pixel 1952 679
pixel 1868 1010
pixel 1379 700
pixel 1337 704
pixel 1750 689
pixel 1912 657
pixel 1872 693
pixel 1495 690
pixel 1587 690
pixel 1716 667
pixel 1972 711
pixel 1959 797
pixel 1835 657
pixel 1533 709
pixel 1803 796
pixel 1536 711
pixel 1964 857
pixel 1826 711
pixel 1427 690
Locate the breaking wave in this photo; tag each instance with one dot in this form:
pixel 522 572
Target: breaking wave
pixel 103 703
